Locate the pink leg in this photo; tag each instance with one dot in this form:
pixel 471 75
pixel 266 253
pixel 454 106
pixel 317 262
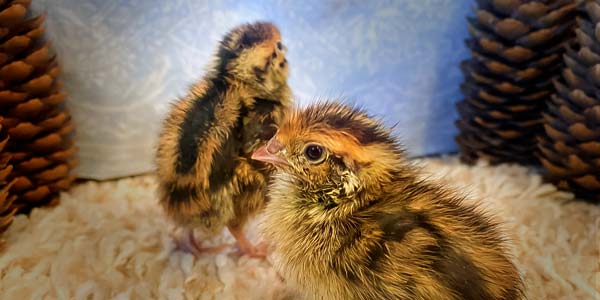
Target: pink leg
pixel 246 247
pixel 185 240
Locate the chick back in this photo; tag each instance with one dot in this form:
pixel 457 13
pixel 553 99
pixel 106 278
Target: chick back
pixel 206 178
pixel 205 175
pixel 432 248
pixel 197 136
pixel 415 242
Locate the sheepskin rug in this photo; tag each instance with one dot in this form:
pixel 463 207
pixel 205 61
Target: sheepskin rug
pixel 111 241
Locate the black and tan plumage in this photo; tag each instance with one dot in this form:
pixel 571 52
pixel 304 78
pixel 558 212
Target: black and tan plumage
pixel 349 219
pixel 207 179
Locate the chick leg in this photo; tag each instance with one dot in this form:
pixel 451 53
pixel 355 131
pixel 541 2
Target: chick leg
pixel 186 241
pixel 246 247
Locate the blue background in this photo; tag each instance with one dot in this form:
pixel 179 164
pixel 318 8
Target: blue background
pixel 124 61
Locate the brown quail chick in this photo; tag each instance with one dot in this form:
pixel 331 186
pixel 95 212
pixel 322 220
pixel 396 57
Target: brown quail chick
pixel 349 219
pixel 207 180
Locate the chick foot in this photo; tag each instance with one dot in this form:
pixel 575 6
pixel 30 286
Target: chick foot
pixel 186 241
pixel 246 247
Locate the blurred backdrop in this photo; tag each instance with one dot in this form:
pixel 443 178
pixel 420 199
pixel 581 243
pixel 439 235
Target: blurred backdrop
pixel 124 61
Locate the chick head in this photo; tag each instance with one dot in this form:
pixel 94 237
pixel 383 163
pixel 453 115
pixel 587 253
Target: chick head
pixel 254 54
pixel 332 150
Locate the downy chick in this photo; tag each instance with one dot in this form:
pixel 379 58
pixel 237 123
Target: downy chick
pixel 349 219
pixel 207 180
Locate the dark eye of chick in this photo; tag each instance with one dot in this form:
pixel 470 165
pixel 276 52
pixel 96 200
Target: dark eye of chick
pixel 279 46
pixel 314 153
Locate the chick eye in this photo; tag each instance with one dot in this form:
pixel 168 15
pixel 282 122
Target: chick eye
pixel 314 153
pixel 279 46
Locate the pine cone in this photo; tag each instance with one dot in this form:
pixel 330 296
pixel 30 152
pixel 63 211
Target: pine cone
pixel 31 105
pixel 516 48
pixel 6 209
pixel 570 147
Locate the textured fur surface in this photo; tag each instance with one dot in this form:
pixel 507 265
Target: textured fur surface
pixel 206 179
pixel 361 225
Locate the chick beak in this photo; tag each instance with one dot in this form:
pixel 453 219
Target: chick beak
pixel 269 153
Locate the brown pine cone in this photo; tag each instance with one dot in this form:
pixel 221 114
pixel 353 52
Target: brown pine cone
pixel 516 49
pixel 40 148
pixel 570 145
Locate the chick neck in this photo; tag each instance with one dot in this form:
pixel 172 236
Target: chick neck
pixel 348 192
pixel 328 195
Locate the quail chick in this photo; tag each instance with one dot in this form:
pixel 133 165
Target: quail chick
pixel 207 180
pixel 349 220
